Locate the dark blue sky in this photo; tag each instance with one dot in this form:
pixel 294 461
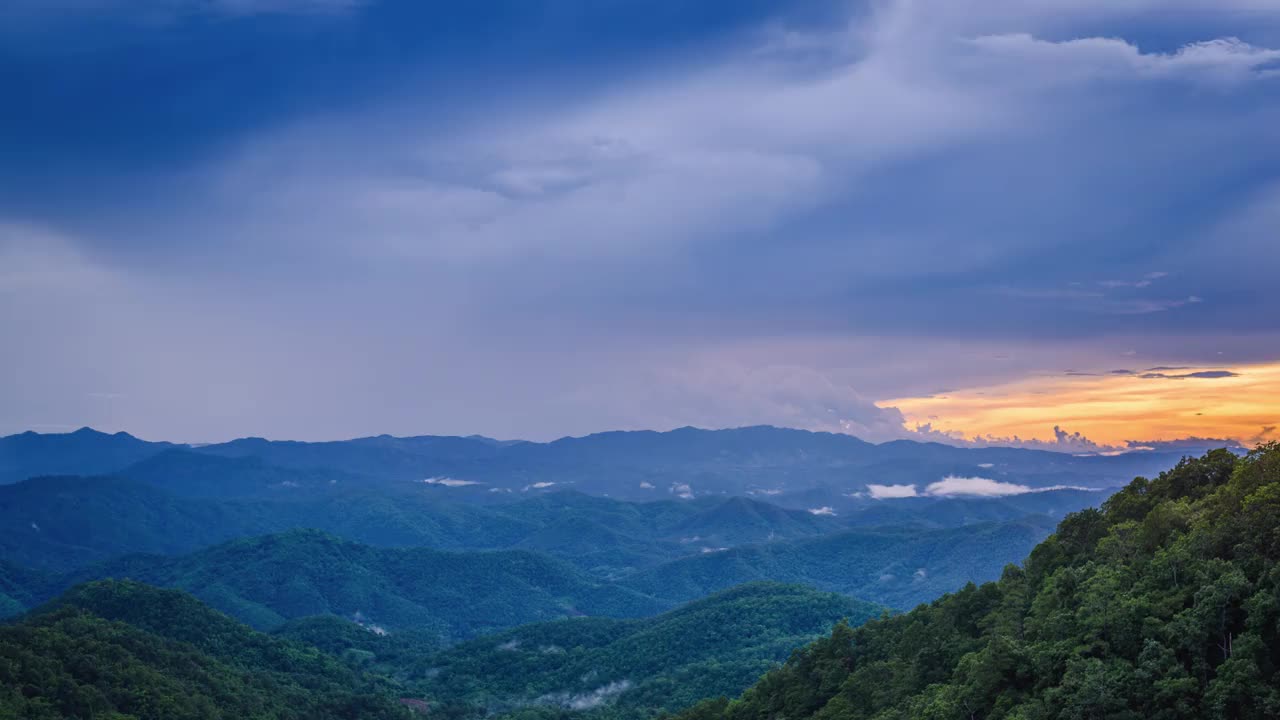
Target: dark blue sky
pixel 324 218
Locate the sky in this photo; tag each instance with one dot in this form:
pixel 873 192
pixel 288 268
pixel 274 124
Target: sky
pixel 1050 224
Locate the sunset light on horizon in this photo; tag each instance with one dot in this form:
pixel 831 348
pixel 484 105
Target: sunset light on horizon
pixel 1111 408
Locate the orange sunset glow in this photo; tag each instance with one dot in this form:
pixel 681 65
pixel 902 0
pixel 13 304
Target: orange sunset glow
pixel 1162 404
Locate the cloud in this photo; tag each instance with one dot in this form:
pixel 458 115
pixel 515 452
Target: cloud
pixel 38 262
pixel 1199 374
pixel 1063 440
pixel 824 510
pixel 885 492
pixel 706 391
pixel 449 482
pixel 169 11
pixel 1217 61
pixel 622 235
pixel 1227 404
pixel 952 486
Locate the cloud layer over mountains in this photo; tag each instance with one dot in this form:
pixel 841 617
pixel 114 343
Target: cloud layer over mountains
pixel 647 217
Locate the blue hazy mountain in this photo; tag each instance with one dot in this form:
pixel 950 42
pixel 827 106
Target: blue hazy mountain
pixel 83 452
pixel 787 465
pixel 267 580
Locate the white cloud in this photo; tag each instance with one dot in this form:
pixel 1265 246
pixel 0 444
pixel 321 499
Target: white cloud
pixel 1219 60
pixel 952 486
pixel 40 263
pixel 449 482
pixel 976 486
pixel 824 510
pixel 539 485
pixel 884 492
pixel 646 486
pixel 664 177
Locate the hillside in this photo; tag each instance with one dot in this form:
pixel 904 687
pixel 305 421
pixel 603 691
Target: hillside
pixel 59 523
pixel 1163 604
pixel 714 646
pixel 119 649
pixel 267 580
pixel 187 473
pixel 55 523
pixel 20 589
pixel 896 567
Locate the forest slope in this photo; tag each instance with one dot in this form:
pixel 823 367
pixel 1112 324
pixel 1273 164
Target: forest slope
pixel 125 650
pixel 1164 604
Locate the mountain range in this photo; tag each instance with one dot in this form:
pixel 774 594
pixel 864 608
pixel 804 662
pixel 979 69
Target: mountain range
pixel 1164 603
pixel 1160 604
pixel 791 467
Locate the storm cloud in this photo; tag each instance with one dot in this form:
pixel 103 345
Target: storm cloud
pixel 784 214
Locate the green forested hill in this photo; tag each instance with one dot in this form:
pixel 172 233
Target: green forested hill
pixel 897 567
pixel 267 580
pixel 168 505
pixel 121 650
pixel 632 668
pixel 19 589
pixel 716 645
pixel 108 647
pixel 1163 605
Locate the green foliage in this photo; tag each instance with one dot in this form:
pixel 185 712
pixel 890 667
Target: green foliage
pixel 1163 605
pixel 19 589
pixel 393 655
pixel 181 501
pixel 715 646
pixel 897 567
pixel 267 580
pixel 124 650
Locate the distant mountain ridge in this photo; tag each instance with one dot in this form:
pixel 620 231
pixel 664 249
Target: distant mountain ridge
pixel 83 452
pixel 783 463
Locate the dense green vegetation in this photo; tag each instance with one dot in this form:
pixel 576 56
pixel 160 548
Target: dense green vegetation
pixel 1164 604
pixel 19 589
pixel 54 523
pixel 122 650
pixel 714 646
pixel 58 523
pixel 897 567
pixel 124 647
pixel 267 580
pixel 395 655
